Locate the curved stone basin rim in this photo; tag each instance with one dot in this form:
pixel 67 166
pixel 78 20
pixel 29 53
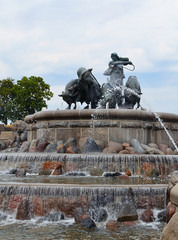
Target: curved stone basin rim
pixel 99 114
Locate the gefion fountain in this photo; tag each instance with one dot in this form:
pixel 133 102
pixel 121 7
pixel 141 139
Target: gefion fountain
pixel 66 193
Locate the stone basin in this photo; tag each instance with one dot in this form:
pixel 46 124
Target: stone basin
pixel 118 125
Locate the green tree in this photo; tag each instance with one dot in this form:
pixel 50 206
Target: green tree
pixel 31 95
pixel 7 96
pixel 26 97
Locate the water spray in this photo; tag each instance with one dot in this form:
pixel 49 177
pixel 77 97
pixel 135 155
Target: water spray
pixel 156 116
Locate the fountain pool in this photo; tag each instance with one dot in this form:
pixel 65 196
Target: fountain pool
pixel 64 193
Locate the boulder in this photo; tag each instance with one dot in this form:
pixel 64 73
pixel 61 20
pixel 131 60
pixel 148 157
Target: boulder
pixel 13 171
pixel 33 145
pixel 127 211
pixel 78 213
pixel 154 151
pixel 170 231
pixel 125 145
pixel 174 195
pixel 24 147
pixel 76 174
pixel 169 151
pixel 70 142
pixel 23 136
pixel 112 225
pixel 87 221
pixel 25 210
pixel 96 172
pixel 15 200
pixel 91 146
pixel 128 172
pixel 147 216
pixel 113 147
pixel 129 223
pixel 38 206
pixel 162 216
pixel 82 141
pixel 124 151
pixel 108 150
pixel 42 146
pixel 58 170
pixel 170 186
pixel 174 178
pixel 111 174
pixel 136 145
pixel 175 152
pixel 145 147
pixel 117 146
pixel 52 147
pixel 170 211
pixel 131 150
pixel 73 150
pixel 163 147
pixel 2 145
pixel 61 148
pixel 153 145
pixel 20 173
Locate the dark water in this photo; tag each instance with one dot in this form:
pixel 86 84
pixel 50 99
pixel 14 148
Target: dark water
pixel 66 230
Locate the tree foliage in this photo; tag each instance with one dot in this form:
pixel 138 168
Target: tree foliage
pixel 6 98
pixel 26 97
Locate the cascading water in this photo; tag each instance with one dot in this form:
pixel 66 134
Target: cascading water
pixel 63 193
pixel 33 162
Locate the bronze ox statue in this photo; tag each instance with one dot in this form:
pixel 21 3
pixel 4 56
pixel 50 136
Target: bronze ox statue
pixel 107 96
pixel 84 89
pixel 113 93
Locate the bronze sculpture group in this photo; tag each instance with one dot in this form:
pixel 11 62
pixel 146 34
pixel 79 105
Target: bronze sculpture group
pixel 111 94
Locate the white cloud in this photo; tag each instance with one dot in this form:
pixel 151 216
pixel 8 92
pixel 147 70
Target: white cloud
pixel 51 37
pixel 162 99
pixel 57 102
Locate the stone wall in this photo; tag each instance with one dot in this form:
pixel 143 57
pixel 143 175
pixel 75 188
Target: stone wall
pixel 6 133
pixel 170 231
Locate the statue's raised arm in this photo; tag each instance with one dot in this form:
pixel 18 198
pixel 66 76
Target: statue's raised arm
pixel 115 70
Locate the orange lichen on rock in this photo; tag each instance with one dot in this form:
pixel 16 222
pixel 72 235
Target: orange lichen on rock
pixel 52 165
pixel 128 172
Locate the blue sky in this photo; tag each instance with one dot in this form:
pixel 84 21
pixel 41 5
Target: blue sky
pixel 53 38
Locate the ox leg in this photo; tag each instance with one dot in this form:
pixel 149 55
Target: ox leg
pixel 138 103
pixel 69 106
pixel 87 107
pixel 75 105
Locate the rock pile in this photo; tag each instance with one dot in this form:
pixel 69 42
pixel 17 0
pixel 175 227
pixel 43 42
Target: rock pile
pixel 90 146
